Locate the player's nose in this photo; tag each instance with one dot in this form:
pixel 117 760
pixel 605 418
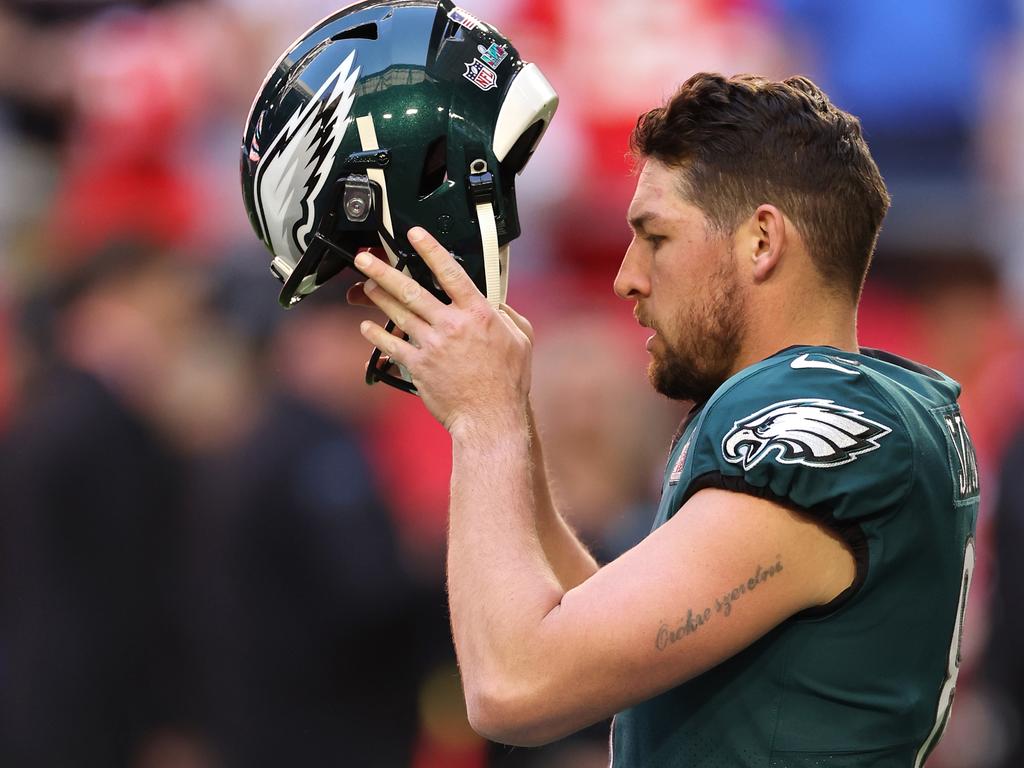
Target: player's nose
pixel 631 282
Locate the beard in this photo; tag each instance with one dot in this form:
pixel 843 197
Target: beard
pixel 705 342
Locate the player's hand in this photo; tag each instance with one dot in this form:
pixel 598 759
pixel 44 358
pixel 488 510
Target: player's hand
pixel 469 361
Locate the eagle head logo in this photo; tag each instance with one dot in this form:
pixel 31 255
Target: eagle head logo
pixel 810 431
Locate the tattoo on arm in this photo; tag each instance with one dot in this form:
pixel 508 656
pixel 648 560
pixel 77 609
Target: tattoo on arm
pixel 693 621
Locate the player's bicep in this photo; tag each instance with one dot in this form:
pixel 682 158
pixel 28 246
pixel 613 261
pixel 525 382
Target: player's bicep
pixel 721 573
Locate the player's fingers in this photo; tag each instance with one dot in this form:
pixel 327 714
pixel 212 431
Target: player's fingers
pixel 403 317
pixel 449 273
pixel 397 349
pixel 402 287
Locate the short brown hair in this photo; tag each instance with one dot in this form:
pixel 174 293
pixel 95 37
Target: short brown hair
pixel 745 140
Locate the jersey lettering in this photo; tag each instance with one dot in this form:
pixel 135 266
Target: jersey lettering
pixel 963 461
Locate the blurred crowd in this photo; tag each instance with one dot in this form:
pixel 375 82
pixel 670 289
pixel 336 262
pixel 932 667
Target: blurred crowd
pixel 219 548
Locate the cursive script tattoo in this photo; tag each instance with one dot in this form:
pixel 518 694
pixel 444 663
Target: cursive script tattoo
pixel 688 624
pixel 668 634
pixel 761 575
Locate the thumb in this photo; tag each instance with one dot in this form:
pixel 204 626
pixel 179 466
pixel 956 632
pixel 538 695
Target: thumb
pixel 518 320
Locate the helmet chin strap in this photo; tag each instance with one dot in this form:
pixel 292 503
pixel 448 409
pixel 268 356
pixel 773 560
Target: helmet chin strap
pixel 368 140
pixel 481 187
pixel 496 278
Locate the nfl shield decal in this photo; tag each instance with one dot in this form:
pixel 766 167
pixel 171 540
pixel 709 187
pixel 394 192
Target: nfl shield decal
pixel 480 75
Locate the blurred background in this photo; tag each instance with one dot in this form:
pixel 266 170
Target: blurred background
pixel 218 548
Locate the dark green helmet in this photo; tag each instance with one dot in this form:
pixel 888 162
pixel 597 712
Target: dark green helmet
pixel 387 115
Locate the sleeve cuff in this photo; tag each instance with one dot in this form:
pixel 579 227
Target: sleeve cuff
pixel 849 531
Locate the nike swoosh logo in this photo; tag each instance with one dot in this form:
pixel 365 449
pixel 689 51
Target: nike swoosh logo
pixel 803 362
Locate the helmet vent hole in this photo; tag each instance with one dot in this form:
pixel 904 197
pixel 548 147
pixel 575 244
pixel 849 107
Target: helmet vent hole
pixel 521 151
pixel 361 32
pixel 435 166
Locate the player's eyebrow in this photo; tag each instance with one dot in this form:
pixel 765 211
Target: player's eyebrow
pixel 639 222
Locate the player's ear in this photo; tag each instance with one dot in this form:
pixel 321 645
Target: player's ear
pixel 766 240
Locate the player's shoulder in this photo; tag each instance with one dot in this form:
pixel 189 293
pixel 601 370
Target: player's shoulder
pixel 795 380
pixel 822 407
pixel 876 380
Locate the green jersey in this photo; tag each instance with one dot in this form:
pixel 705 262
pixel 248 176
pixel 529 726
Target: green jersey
pixel 873 447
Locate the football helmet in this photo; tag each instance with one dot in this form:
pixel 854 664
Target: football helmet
pixel 386 115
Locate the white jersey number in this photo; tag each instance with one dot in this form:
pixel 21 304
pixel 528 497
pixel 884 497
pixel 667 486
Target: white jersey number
pixel 953 662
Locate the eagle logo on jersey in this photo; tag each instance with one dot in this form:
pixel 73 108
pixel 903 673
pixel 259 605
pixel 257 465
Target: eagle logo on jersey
pixel 296 165
pixel 809 431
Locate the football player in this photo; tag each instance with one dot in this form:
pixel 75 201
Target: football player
pixel 800 598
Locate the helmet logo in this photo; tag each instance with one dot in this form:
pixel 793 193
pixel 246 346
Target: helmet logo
pixel 480 76
pixel 297 164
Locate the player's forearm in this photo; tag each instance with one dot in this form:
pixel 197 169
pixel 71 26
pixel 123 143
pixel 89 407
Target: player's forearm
pixel 569 559
pixel 500 584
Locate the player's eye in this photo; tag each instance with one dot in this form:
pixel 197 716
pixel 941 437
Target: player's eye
pixel 654 240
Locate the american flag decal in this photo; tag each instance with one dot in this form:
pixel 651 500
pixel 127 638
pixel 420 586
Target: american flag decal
pixel 677 468
pixel 464 18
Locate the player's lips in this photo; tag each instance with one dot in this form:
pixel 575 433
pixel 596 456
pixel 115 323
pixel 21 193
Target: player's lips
pixel 644 323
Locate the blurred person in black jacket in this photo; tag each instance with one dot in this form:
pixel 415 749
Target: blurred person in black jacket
pixel 1003 660
pixel 90 661
pixel 305 635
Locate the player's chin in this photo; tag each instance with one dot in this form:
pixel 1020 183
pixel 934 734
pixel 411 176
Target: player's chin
pixel 656 372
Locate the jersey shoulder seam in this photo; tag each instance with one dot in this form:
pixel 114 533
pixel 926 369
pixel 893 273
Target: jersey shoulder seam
pixel 725 390
pixel 912 475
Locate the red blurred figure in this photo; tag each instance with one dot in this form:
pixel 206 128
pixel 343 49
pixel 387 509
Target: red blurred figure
pixel 139 92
